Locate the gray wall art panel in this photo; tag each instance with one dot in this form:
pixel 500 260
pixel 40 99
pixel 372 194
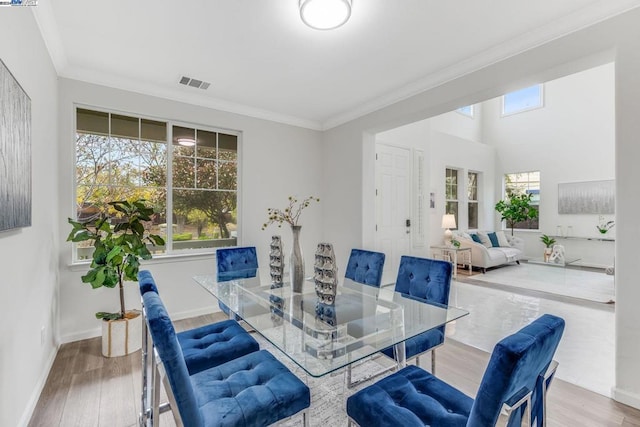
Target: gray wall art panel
pixel 591 197
pixel 15 153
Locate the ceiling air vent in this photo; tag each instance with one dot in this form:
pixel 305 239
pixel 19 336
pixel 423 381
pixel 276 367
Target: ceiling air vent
pixel 188 81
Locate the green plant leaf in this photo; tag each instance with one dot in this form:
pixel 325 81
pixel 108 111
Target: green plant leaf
pixel 102 315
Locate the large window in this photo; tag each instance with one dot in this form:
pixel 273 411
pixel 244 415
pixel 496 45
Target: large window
pixel 522 100
pixel 191 182
pixel 451 193
pixel 472 199
pixel 524 183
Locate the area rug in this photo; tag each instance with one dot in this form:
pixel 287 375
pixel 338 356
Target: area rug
pixel 586 284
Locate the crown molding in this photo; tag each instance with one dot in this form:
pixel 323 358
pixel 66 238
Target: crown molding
pixel 590 15
pixel 48 26
pixel 184 94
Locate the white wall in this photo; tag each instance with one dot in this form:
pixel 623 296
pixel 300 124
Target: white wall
pixel 457 124
pixel 29 290
pixel 276 161
pixel 348 154
pixel 449 151
pixel 571 139
pixel 449 140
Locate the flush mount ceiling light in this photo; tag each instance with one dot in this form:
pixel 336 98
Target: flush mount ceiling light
pixel 325 14
pixel 187 142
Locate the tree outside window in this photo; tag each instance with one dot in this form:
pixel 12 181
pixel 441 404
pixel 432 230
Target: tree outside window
pixel 122 157
pixel 524 184
pixel 472 200
pixel 451 192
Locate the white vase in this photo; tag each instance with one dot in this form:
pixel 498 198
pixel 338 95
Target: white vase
pixel 123 336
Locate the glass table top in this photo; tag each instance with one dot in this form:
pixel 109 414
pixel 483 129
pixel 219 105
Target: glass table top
pixel 321 338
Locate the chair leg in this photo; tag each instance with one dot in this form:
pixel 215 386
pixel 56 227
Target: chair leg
pixel 433 362
pixel 155 387
pixel 145 395
pixel 305 418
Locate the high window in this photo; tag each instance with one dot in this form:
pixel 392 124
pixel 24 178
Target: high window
pixel 522 100
pixel 524 183
pixel 189 175
pixel 467 111
pixel 451 193
pixel 472 199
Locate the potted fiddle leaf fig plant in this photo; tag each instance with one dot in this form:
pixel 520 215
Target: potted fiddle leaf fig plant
pixel 120 243
pixel 516 208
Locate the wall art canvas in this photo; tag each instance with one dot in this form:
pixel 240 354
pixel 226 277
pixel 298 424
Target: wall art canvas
pixel 590 197
pixel 15 153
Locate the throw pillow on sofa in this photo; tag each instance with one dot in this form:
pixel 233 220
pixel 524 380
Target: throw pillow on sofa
pixel 476 238
pixel 484 239
pixel 502 239
pixel 494 240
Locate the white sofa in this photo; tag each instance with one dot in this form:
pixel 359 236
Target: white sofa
pixel 485 257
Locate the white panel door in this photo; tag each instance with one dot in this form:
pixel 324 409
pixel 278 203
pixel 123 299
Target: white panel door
pixel 393 206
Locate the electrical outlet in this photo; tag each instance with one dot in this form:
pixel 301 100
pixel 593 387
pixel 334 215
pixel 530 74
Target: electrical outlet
pixel 43 334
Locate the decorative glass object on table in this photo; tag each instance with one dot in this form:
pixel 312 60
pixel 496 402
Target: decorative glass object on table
pixel 276 260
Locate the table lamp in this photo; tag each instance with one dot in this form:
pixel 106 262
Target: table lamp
pixel 448 222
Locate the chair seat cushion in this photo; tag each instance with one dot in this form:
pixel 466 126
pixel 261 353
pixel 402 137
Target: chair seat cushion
pixel 215 344
pixel 254 390
pixel 410 397
pixel 420 343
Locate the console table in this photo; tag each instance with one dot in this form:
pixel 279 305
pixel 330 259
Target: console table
pixel 453 255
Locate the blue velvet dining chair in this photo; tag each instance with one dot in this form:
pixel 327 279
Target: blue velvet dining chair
pixel 428 280
pixel 512 382
pixel 365 267
pixel 203 347
pixel 236 263
pixel 252 390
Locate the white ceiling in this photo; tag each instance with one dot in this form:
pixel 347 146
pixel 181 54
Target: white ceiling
pixel 261 60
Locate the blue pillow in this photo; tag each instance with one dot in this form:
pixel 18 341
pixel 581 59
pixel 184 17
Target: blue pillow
pixel 476 238
pixel 494 240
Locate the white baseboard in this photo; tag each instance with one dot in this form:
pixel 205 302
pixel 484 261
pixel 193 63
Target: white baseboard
pixel 194 313
pixel 622 396
pixel 83 335
pixel 96 332
pixel 37 390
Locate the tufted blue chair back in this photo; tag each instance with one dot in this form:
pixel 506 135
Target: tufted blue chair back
pixel 514 369
pixel 146 282
pixel 424 278
pixel 365 267
pixel 237 263
pixel 166 342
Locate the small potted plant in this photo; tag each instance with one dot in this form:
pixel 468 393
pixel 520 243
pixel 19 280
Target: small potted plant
pixel 604 226
pixel 118 249
pixel 548 241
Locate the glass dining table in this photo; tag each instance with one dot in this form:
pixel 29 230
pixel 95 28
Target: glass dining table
pixel 322 338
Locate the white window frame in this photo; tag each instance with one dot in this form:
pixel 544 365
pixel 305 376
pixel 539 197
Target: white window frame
pixel 170 123
pixel 457 199
pixel 537 205
pixel 523 110
pixel 462 111
pixel 476 201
